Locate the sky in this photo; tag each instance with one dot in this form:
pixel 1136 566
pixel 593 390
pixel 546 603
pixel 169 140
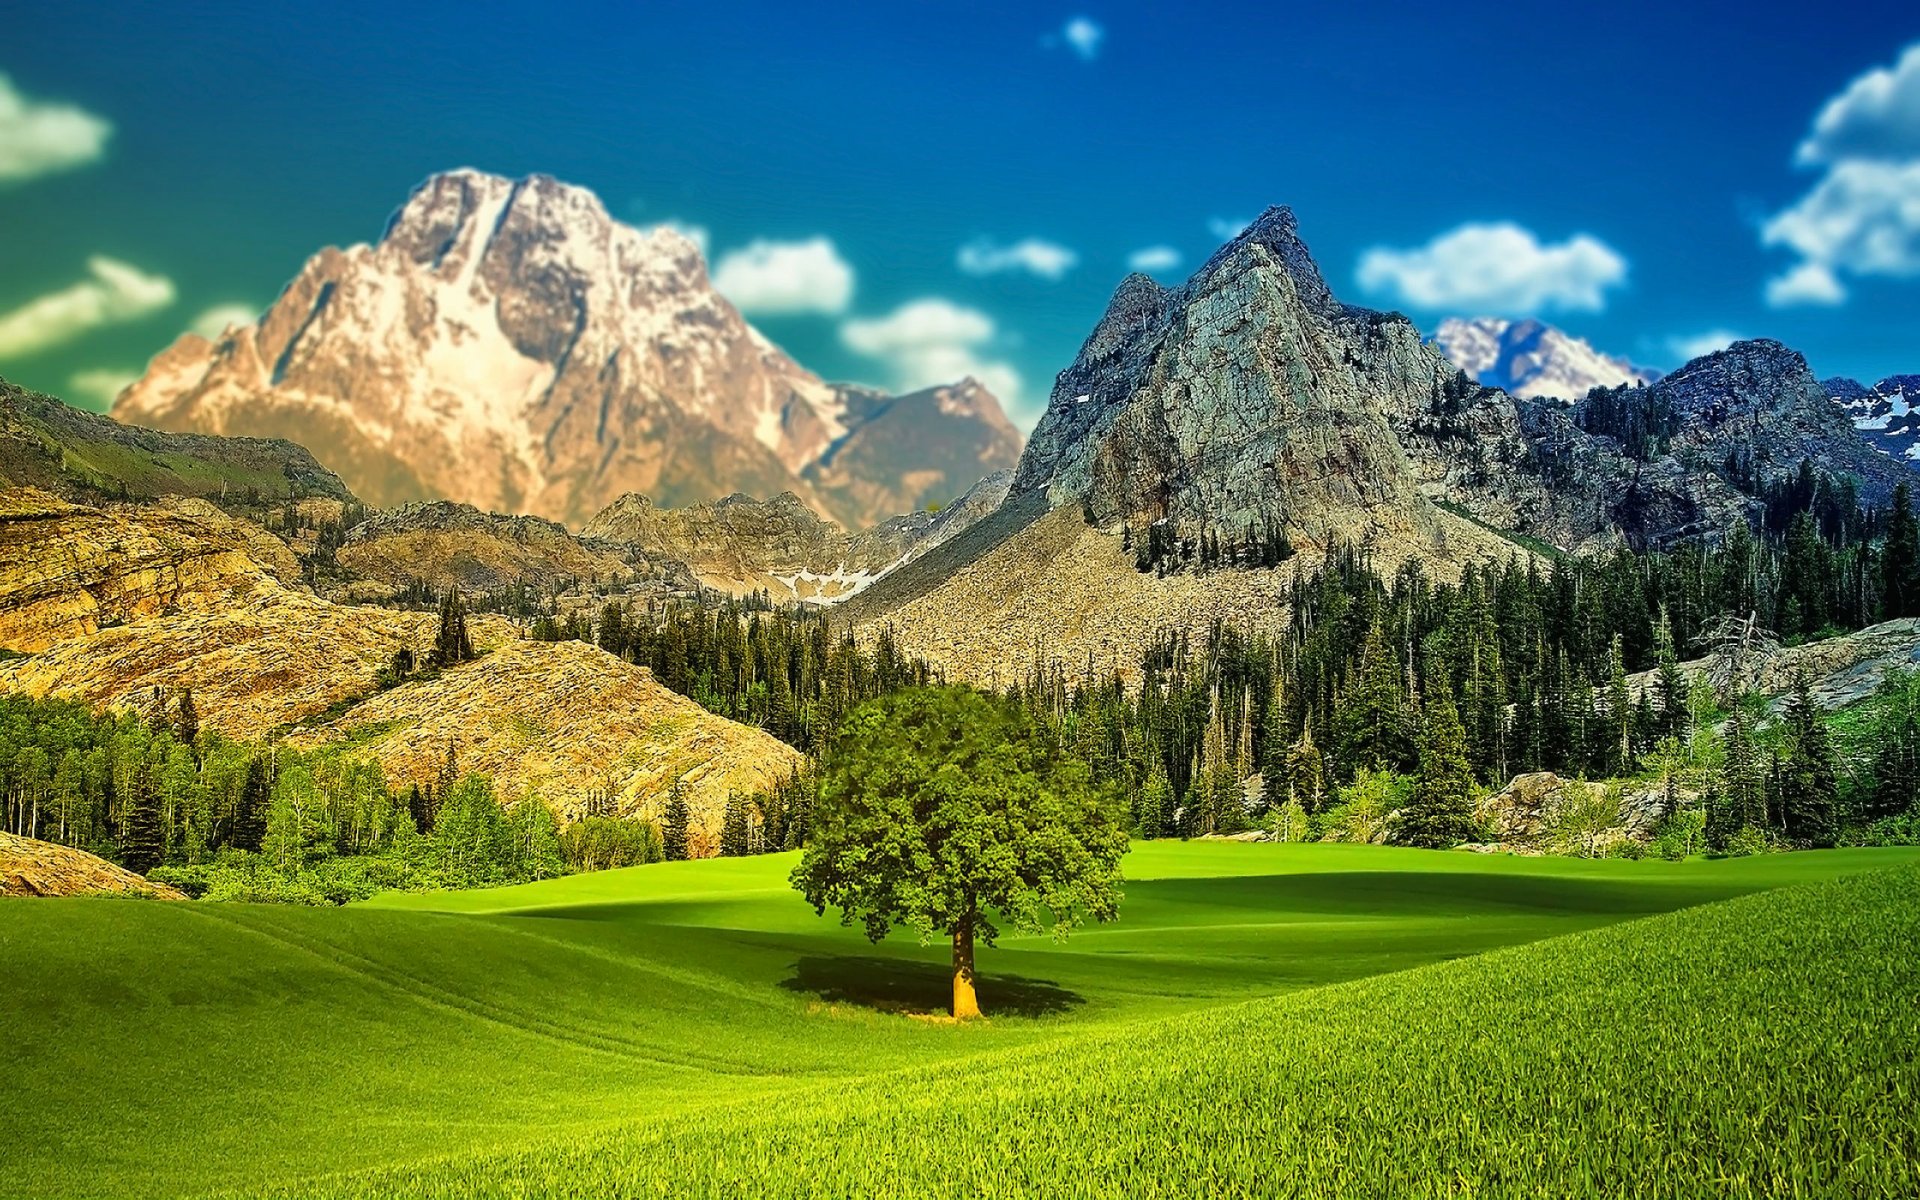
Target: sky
pixel 902 193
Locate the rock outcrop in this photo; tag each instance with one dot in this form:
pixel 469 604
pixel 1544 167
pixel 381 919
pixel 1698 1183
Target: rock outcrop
pixel 30 867
pixel 69 570
pixel 509 345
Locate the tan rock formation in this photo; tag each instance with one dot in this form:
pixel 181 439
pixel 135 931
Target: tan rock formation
pixel 30 867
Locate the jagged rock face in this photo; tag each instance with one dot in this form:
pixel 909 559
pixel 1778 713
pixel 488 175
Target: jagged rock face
pixel 67 570
pixel 507 344
pixel 742 545
pixel 450 545
pixel 1885 414
pixel 30 867
pixel 561 720
pixel 1239 398
pixel 905 453
pixel 1757 402
pixel 1532 359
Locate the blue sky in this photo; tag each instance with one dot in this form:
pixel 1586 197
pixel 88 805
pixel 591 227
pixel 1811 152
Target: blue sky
pixel 940 187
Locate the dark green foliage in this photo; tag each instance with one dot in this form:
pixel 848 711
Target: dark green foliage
pixel 256 799
pixel 1809 778
pixel 142 836
pixel 1439 814
pixel 677 828
pixel 604 843
pixel 452 646
pixel 736 835
pixel 945 810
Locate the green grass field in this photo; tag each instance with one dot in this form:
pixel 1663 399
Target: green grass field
pixel 1262 1020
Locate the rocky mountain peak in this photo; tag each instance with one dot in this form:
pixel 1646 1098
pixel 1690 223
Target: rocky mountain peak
pixel 506 343
pixel 1530 358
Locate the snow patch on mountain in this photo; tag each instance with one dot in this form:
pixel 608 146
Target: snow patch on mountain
pixel 1531 358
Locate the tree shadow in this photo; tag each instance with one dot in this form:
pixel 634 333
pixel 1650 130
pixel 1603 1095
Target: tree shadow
pixel 901 985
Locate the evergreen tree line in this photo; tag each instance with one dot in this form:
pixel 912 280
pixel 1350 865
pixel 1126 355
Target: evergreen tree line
pixel 786 671
pixel 238 820
pixel 1529 663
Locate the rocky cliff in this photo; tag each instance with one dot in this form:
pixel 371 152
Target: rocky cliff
pixel 69 570
pixel 508 344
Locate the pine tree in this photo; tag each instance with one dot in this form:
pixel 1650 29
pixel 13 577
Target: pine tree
pixel 1439 814
pixel 256 800
pixel 1306 779
pixel 677 831
pixel 143 838
pixel 735 833
pixel 1809 776
pixel 452 646
pixel 186 726
pixel 1156 803
pixel 1900 559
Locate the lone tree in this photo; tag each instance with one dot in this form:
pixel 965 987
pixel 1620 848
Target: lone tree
pixel 944 809
pixel 1440 813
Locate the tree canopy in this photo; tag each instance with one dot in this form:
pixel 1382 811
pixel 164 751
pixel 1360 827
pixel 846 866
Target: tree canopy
pixel 950 813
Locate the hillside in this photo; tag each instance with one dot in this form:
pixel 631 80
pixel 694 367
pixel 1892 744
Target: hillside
pixel 448 545
pixel 29 867
pixel 605 1033
pixel 562 720
pixel 82 456
pixel 741 545
pixel 69 570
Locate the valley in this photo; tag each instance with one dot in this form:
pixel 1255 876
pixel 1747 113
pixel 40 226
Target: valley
pixel 679 1025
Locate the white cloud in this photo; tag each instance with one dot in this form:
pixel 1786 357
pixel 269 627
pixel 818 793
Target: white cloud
pixel 99 386
pixel 1225 229
pixel 1688 347
pixel 115 293
pixel 214 321
pixel 1048 260
pixel 1083 36
pixel 1808 283
pixel 1876 117
pixel 1496 267
pixel 697 234
pixel 780 278
pixel 39 137
pixel 1862 218
pixel 1153 259
pixel 933 341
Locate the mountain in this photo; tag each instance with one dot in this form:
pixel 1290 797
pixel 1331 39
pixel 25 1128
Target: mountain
pixel 1204 430
pixel 56 448
pixel 1884 413
pixel 902 454
pixel 741 545
pixel 509 345
pixel 448 545
pixel 1532 359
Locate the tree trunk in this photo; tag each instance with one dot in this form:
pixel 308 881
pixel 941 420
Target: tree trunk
pixel 965 1003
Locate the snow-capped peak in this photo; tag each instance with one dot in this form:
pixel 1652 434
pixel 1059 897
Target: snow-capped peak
pixel 1531 358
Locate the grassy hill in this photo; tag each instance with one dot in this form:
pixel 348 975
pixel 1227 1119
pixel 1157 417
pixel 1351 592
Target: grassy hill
pixel 693 1028
pixel 88 457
